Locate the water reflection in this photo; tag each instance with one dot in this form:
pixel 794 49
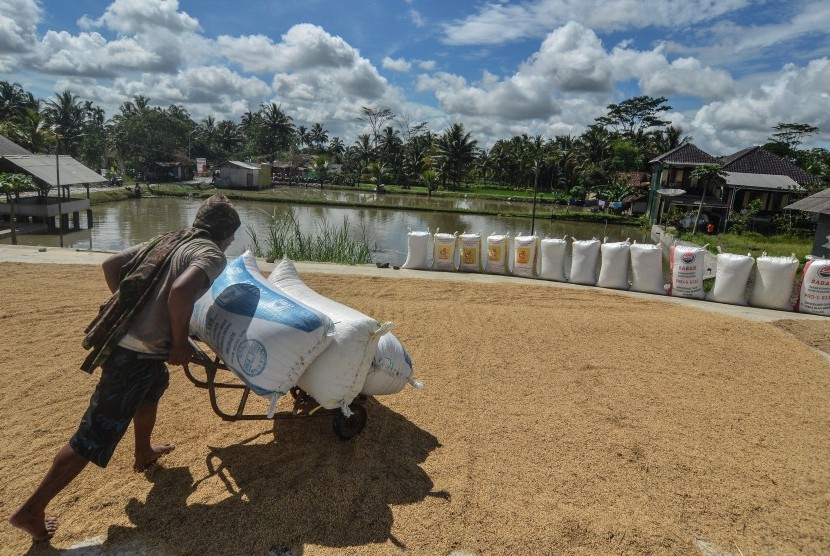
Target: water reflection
pixel 124 223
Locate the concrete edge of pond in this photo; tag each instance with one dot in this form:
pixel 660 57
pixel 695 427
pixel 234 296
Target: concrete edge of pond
pixel 53 255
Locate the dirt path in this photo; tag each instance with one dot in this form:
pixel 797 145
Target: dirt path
pixel 553 421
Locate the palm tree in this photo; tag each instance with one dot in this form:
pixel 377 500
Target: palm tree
pixel 706 174
pixel 303 137
pixel 33 130
pixel 337 148
pixel 318 135
pixel 456 151
pixel 14 100
pixel 229 138
pixel 365 151
pixel 207 132
pixel 593 148
pixel 65 115
pixel 377 170
pixel 664 140
pixel 278 127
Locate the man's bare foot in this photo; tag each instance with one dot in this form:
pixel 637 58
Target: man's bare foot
pixel 40 527
pixel 145 460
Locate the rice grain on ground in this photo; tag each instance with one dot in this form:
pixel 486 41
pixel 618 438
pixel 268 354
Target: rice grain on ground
pixel 553 421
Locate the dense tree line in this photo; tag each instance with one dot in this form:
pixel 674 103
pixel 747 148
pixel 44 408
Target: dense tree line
pixel 396 150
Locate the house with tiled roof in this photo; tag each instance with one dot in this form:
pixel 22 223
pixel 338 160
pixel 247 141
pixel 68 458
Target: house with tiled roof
pixel 749 174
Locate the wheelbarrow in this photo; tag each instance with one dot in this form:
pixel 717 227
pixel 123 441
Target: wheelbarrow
pixel 305 406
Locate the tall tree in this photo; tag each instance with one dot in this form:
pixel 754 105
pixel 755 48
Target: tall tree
pixel 375 117
pixel 364 150
pixel 14 101
pixel 303 136
pixel 706 174
pixel 278 126
pixel 337 148
pixel 32 130
pixel 634 115
pixel 65 115
pixel 787 139
pixel 456 150
pixel 229 139
pixel 319 136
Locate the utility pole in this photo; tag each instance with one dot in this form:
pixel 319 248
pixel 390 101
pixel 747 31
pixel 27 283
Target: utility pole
pixel 535 187
pixel 60 194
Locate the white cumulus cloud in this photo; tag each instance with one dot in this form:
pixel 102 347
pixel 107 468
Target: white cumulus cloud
pixel 18 25
pixel 142 16
pixel 797 94
pixel 499 22
pixel 303 46
pixel 399 64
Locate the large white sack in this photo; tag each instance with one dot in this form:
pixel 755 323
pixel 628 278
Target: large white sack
pixel 552 255
pixel 613 273
pixel 443 257
pixel 814 296
pixel 584 256
pixel 265 337
pixel 524 255
pixel 336 377
pixel 647 268
pixel 417 250
pixel 497 249
pixel 772 287
pixel 391 369
pixel 731 277
pixel 470 260
pixel 687 265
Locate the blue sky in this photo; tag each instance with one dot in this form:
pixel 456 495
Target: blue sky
pixel 731 69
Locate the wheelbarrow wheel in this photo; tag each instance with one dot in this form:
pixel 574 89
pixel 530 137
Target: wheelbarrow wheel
pixel 348 427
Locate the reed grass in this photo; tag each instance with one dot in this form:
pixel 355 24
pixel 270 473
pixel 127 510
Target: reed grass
pixel 329 243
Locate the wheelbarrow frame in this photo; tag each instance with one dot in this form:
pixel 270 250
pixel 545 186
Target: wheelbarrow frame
pixel 305 406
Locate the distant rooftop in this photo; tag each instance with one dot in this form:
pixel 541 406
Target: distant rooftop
pixel 9 147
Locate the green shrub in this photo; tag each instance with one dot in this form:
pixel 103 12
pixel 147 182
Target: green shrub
pixel 330 243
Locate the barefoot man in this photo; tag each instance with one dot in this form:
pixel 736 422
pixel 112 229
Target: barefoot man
pixel 145 323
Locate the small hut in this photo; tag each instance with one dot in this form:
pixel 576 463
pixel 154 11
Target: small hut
pixel 234 174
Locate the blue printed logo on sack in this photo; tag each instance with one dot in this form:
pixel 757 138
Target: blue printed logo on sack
pixel 251 356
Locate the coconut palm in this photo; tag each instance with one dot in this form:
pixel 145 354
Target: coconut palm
pixel 32 130
pixel 229 138
pixel 456 150
pixel 364 149
pixel 65 115
pixel 318 136
pixel 14 100
pixel 337 148
pixel 706 174
pixel 303 136
pixel 278 127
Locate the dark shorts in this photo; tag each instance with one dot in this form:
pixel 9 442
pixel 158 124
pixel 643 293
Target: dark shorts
pixel 127 379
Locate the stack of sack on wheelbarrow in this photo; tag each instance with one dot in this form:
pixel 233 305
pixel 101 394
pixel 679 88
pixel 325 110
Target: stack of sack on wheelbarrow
pixel 278 333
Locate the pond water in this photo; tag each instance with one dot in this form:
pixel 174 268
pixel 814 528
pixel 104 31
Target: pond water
pixel 124 223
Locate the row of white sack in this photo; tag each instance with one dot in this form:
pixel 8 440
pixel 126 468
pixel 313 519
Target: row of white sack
pixel 278 333
pixel 626 266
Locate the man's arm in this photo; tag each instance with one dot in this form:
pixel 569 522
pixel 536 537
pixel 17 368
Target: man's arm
pixel 183 295
pixel 112 270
